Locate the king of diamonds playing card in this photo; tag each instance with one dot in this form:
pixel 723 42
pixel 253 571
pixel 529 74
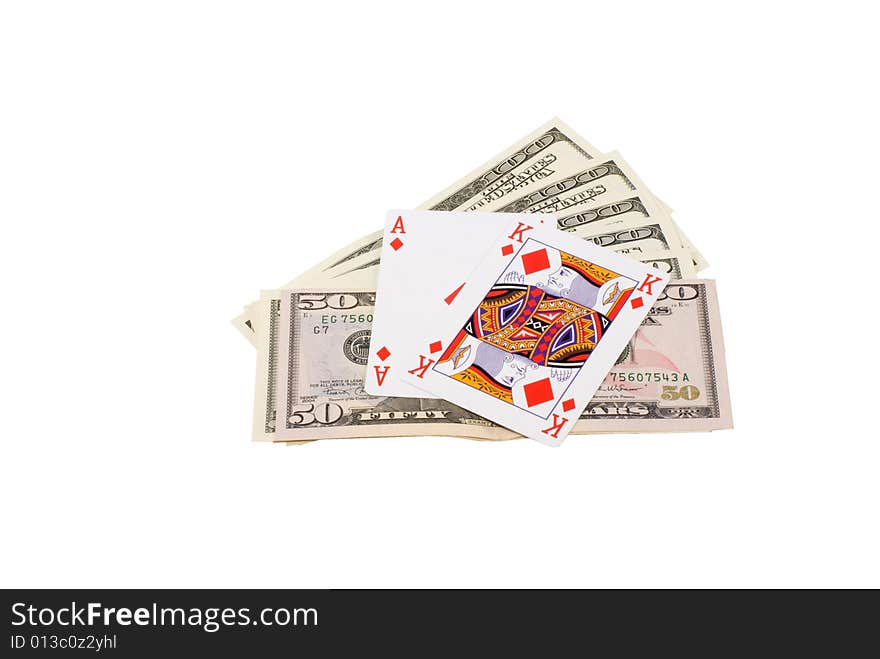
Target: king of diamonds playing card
pixel 546 317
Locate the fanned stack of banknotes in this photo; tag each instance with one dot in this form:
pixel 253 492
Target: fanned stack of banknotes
pixel 564 214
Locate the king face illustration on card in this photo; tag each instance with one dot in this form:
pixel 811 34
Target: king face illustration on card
pixel 536 327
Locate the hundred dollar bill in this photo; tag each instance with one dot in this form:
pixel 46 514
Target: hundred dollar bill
pixel 672 375
pixel 635 238
pixel 606 178
pixel 618 211
pixel 323 343
pixel 608 185
pixel 677 263
pixel 625 212
pixel 552 151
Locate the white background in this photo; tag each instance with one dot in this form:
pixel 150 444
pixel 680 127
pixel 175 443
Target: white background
pixel 160 162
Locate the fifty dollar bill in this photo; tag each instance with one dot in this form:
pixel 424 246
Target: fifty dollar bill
pixel 671 377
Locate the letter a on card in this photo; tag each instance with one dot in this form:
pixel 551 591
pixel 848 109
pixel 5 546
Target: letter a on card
pixel 380 374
